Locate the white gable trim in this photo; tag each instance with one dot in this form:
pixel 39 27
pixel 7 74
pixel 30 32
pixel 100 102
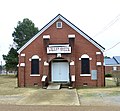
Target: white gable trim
pixel 112 65
pixel 68 23
pixel 81 33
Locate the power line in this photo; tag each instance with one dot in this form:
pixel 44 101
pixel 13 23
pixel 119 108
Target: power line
pixel 112 47
pixel 108 25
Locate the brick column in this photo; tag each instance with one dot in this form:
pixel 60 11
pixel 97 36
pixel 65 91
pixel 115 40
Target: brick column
pixel 21 74
pixel 72 59
pixel 100 69
pixel 46 40
pixel 72 73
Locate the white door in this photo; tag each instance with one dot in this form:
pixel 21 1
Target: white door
pixel 60 72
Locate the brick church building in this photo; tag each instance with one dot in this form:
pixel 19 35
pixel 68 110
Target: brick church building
pixel 61 53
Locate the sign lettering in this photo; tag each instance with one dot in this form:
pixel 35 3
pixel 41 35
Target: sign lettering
pixel 51 50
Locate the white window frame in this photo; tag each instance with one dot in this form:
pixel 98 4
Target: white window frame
pixel 57 26
pixel 114 68
pixel 35 57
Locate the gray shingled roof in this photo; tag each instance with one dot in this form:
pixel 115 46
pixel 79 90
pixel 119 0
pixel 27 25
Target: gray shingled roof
pixel 112 61
pixel 117 58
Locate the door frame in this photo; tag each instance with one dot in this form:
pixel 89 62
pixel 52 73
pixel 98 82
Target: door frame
pixel 59 60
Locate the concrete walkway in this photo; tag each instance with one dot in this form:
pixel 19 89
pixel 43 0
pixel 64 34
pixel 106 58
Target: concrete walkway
pixel 51 97
pixel 64 97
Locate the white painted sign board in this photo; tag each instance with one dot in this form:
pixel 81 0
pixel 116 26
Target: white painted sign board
pixel 51 50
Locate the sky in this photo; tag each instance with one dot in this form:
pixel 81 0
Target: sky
pixel 100 19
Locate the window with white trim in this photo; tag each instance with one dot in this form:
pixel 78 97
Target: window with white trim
pixel 58 24
pixel 85 64
pixel 114 68
pixel 35 65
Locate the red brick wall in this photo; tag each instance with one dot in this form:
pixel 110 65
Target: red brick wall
pixel 79 46
pixel 108 69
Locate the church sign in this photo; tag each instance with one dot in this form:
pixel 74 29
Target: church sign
pixel 51 50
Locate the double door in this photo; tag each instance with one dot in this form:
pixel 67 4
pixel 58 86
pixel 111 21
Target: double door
pixel 60 72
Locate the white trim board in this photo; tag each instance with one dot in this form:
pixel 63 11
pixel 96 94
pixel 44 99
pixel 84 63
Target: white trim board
pixel 33 75
pixel 68 23
pixel 113 65
pixel 85 75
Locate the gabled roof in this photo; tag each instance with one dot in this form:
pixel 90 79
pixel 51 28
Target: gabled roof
pixel 110 61
pixel 59 16
pixel 115 61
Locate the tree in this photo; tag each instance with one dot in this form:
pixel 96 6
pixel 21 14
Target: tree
pixel 106 57
pixel 23 32
pixel 11 60
pixel 0 69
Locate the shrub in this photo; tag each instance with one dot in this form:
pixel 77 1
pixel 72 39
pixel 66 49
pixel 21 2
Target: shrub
pixel 108 75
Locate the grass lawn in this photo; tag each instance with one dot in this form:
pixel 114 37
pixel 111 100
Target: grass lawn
pixel 110 89
pixel 11 94
pixel 8 86
pixel 109 82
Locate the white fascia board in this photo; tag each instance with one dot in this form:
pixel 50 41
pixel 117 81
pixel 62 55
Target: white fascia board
pixel 112 65
pixel 81 33
pixel 33 38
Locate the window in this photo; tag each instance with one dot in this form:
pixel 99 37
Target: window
pixel 114 68
pixel 85 66
pixel 59 24
pixel 35 66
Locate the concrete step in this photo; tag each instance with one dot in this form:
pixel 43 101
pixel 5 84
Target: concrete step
pixel 65 85
pixel 54 86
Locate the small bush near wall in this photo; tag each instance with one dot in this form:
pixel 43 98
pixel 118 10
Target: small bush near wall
pixel 108 75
